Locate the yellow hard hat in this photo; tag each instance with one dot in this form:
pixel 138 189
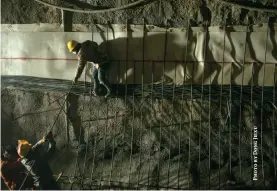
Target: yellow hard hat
pixel 71 45
pixel 23 148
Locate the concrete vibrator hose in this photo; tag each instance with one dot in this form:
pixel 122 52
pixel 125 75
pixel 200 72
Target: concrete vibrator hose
pixel 139 2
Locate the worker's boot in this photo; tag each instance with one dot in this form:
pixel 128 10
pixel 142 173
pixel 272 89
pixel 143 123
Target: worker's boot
pixel 96 83
pixel 107 86
pixel 95 88
pixel 108 91
pixel 103 80
pixel 95 93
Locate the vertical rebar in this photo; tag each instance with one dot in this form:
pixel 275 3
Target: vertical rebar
pixel 67 21
pixel 105 139
pixel 85 88
pixel 96 134
pixel 116 113
pixel 190 118
pixel 170 127
pixel 133 121
pixel 107 121
pixel 262 105
pixel 113 130
pixel 95 143
pixel 163 79
pixel 252 123
pixel 67 122
pixel 126 88
pixel 273 126
pixel 142 99
pixel 113 146
pixel 150 129
pixel 182 104
pixel 140 140
pixel 220 107
pixel 252 110
pixel 201 110
pixel 85 159
pixel 210 89
pixel 229 107
pixel 241 97
pixel 77 158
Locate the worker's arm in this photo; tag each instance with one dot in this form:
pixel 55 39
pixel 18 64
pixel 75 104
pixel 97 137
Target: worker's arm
pixel 38 145
pixel 51 149
pixel 51 145
pixel 81 65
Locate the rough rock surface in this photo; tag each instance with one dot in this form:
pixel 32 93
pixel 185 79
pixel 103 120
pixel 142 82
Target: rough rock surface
pixel 130 141
pixel 176 12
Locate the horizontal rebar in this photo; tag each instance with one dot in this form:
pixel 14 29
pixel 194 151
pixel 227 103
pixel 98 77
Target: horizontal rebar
pixel 56 85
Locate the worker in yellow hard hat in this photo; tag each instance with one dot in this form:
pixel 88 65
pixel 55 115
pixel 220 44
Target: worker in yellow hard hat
pixel 36 162
pixel 89 51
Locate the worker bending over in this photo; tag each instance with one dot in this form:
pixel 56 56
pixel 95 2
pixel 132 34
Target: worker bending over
pixel 12 171
pixel 36 162
pixel 89 51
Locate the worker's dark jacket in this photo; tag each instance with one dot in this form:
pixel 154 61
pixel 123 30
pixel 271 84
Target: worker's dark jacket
pixel 89 52
pixel 12 173
pixel 37 163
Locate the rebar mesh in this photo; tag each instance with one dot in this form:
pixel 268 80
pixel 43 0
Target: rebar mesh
pixel 155 136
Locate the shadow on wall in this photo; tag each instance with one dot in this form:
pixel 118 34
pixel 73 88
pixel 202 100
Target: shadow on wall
pixel 272 37
pixel 164 59
pixel 160 58
pixel 131 71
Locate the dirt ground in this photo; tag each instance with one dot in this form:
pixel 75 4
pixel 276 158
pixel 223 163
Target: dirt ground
pixel 147 143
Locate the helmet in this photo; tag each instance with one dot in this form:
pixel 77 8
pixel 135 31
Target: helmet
pixel 23 148
pixel 71 45
pixel 9 150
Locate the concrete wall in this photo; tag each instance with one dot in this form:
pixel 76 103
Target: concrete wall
pixel 187 55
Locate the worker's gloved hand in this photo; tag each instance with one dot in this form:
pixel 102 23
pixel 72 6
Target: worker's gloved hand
pixel 96 66
pixel 48 136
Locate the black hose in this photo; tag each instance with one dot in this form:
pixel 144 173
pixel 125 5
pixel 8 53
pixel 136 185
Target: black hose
pixel 128 6
pixel 271 10
pixel 139 2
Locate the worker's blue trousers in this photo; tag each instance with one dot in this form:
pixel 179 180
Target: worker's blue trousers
pixel 99 77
